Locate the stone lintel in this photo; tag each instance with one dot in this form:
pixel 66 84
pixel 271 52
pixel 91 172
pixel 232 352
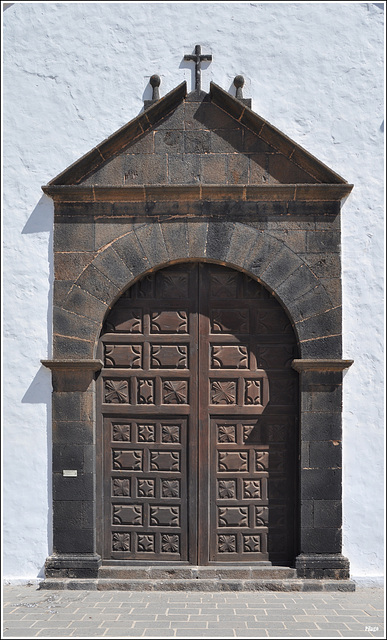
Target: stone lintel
pixel 199 192
pixel 321 364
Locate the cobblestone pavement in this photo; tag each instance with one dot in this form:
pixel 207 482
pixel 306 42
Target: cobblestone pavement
pixel 29 612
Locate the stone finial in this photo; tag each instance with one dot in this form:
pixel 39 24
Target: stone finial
pixel 155 81
pixel 239 81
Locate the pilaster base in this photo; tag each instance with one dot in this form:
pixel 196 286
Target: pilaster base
pixel 72 565
pixel 324 565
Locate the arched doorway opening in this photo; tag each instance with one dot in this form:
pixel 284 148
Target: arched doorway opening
pixel 198 421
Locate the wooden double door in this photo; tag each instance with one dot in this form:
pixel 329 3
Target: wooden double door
pixel 198 408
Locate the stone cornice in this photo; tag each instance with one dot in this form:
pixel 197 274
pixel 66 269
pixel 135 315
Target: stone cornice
pixel 321 365
pixel 273 136
pixel 118 140
pixel 189 193
pixel 73 365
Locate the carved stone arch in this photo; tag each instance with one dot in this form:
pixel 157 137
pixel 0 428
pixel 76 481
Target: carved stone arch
pixel 316 319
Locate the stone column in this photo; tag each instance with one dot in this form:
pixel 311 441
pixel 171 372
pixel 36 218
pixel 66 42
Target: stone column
pixel 73 465
pixel 320 479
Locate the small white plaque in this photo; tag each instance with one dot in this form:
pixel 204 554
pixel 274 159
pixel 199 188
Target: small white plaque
pixel 70 473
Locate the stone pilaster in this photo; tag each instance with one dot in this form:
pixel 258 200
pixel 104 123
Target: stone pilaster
pixel 320 478
pixel 73 466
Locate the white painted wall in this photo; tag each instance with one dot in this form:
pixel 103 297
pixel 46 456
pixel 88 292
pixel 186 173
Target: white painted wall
pixel 76 72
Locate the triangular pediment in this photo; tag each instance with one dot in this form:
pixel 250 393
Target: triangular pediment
pixel 197 139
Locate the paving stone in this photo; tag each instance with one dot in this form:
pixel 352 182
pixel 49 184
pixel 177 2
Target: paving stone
pixel 53 624
pixel 324 634
pixel 253 633
pixel 86 633
pixel 268 624
pixel 147 624
pixel 291 625
pixel 359 634
pixel 289 634
pixel 129 633
pixel 160 632
pixel 20 624
pixel 332 625
pixel 22 632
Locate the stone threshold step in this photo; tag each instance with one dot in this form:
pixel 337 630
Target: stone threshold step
pixel 196 572
pixel 199 584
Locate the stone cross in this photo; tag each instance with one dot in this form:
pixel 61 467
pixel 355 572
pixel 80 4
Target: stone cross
pixel 197 58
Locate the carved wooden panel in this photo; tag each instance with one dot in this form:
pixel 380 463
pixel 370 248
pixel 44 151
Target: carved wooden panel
pixel 129 356
pixel 199 406
pixel 148 494
pixel 252 409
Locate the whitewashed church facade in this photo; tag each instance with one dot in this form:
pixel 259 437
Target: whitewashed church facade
pixel 73 74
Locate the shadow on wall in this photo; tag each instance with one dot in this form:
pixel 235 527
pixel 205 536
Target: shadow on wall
pixel 41 221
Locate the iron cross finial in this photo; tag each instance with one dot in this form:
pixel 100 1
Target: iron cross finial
pixel 197 58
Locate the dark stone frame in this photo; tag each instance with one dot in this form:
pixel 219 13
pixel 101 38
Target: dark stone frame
pixel 149 243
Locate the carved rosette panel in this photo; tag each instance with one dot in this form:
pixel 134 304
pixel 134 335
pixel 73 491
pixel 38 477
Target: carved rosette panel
pixel 175 392
pixel 170 488
pixel 121 541
pixel 165 461
pixel 127 460
pixel 164 516
pixel 253 290
pixel 173 285
pixel 121 432
pixel 146 543
pixel 226 433
pixel 223 285
pixel 170 544
pixel 229 357
pixel 261 516
pixel 145 391
pixel 146 432
pixel 272 321
pixel 169 357
pixel 233 517
pixel 146 488
pixel 233 461
pixel 227 544
pixel 253 392
pixel 272 357
pixel 124 356
pixel 170 433
pixel 223 392
pixel 262 460
pixel 145 287
pixel 252 488
pixel 121 487
pixel 252 543
pixel 116 391
pixel 229 321
pixel 226 489
pixel 169 322
pixel 124 321
pixel 127 514
pixel 247 431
